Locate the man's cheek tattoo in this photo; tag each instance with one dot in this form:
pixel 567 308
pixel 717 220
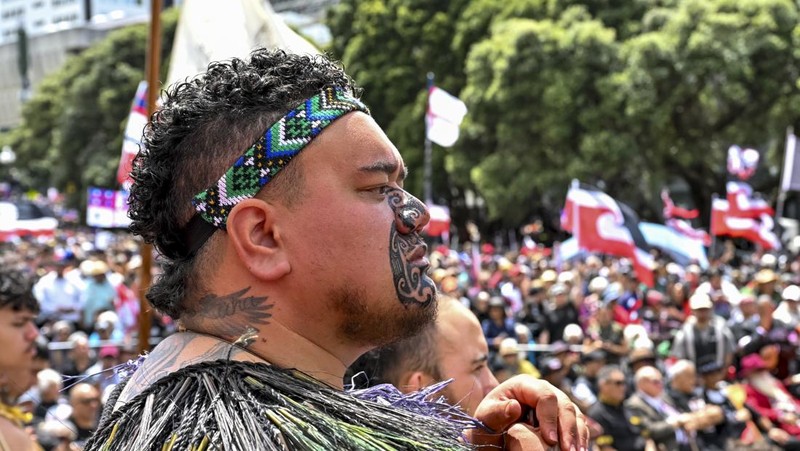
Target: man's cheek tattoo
pixel 405 246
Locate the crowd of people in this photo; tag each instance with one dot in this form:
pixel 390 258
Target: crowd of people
pixel 706 359
pixel 265 296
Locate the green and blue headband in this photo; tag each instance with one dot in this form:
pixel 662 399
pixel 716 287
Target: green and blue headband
pixel 262 161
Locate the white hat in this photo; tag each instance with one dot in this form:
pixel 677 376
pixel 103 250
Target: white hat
pixel 699 301
pixel 791 293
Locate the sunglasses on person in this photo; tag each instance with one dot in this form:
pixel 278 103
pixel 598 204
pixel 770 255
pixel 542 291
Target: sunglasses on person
pixel 617 382
pixel 87 401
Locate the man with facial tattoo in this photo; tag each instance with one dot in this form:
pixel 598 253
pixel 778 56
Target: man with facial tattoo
pixel 289 248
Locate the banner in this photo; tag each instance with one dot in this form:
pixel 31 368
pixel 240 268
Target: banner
pixel 444 116
pixel 107 208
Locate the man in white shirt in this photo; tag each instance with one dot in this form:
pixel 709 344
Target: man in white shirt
pixel 59 295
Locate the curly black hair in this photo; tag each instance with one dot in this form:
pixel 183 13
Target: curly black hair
pixel 203 125
pixel 16 291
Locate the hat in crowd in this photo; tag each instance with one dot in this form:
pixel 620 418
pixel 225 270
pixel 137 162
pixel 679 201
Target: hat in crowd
pixel 641 355
pixel 497 301
pixel 105 320
pixel 558 289
pixel 549 276
pixel 791 293
pixel 612 293
pixel 751 364
pixel 598 284
pixel 509 346
pixel 566 277
pixel 700 301
pixel 594 356
pixel 108 351
pixel 573 332
pixel 550 366
pixel 766 276
pixel 747 297
pixel 709 368
pixel 654 297
pixel 95 268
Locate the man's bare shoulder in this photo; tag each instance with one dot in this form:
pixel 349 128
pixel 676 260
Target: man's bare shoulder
pixel 177 351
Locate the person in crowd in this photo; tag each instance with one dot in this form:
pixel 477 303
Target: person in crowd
pixel 586 387
pixel 102 373
pixel 744 317
pixel 499 326
pixel 775 342
pixel 723 293
pixel 532 313
pixel 682 393
pixel 769 397
pixel 511 358
pixel 660 420
pixel 765 282
pixel 788 311
pixel 704 334
pixel 49 383
pixel 85 401
pixel 80 356
pixel 98 294
pixel 452 348
pixel 18 333
pixel 314 261
pixel 59 295
pixel 728 432
pixel 481 305
pixel 559 313
pixel 606 334
pixel 620 429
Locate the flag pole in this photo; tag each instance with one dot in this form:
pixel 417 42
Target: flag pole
pixel 576 223
pixel 427 185
pixel 152 69
pixel 713 247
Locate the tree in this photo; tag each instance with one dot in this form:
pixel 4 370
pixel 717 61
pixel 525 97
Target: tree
pixel 710 74
pixel 71 131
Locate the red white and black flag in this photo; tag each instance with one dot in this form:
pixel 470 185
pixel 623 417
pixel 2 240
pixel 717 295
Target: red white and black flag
pixel 755 229
pixel 601 224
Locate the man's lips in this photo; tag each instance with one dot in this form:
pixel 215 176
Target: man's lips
pixel 419 255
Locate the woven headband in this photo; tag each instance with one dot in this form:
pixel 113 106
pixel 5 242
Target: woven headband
pixel 270 153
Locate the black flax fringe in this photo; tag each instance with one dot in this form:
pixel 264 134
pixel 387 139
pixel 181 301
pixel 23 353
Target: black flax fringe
pixel 244 406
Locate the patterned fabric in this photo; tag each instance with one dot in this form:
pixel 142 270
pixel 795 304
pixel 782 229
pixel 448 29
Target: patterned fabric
pixel 272 151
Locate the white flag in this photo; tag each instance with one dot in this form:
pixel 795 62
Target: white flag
pixel 791 166
pixel 214 30
pixel 444 116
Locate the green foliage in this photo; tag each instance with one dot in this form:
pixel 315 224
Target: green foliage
pixel 627 94
pixel 72 128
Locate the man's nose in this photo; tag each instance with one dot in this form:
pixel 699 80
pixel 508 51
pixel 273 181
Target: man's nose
pixel 411 215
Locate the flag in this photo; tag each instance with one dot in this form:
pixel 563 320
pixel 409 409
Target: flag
pixel 137 119
pixel 686 229
pixel 213 30
pixel 25 219
pixel 444 116
pixel 791 165
pixel 600 224
pixel 742 204
pixel 439 225
pixel 673 211
pixel 742 163
pixel 757 230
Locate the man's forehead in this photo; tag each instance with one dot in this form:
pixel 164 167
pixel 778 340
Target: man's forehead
pixel 357 140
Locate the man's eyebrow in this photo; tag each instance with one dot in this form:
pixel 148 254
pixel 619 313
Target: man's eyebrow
pixel 481 359
pixel 386 167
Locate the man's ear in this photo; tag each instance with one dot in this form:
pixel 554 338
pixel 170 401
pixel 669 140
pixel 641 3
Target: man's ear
pixel 256 239
pixel 414 381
